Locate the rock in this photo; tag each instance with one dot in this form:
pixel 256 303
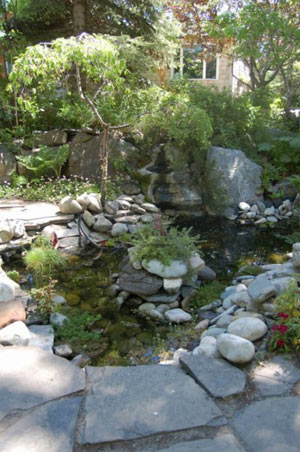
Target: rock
pixel 33 378
pixel 16 333
pixel 147 218
pixel 138 209
pixel 175 269
pixel 7 289
pixel 83 200
pixel 58 319
pixel 235 349
pixel 111 207
pixel 261 221
pixel 42 336
pixel 18 229
pixel 80 360
pixel 150 207
pixel 266 427
pixel 213 332
pixel 155 314
pixel 212 305
pixel 102 224
pixel 249 328
pixel 261 289
pixel 171 405
pixel 227 303
pixel 6 231
pixel 119 229
pixel 139 282
pixel 251 215
pixel 222 443
pixel 8 165
pixel 240 298
pixel 196 263
pixel 146 308
pixel 69 206
pixel 179 353
pixel 296 203
pixel 206 274
pixel 129 219
pixel 283 284
pixel 131 188
pixel 244 206
pixel 296 255
pixel 232 178
pixel 276 376
pixel 243 314
pixel 208 347
pixel 63 350
pixel 52 138
pixel 172 285
pixel 217 376
pixel 178 316
pixel 224 321
pixel 162 308
pixel 272 219
pixel 58 300
pixel 202 325
pixel 269 211
pixel 95 205
pixel 161 297
pixel 125 204
pixel 88 218
pixel 11 311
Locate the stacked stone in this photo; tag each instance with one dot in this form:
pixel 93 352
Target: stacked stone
pixel 113 219
pixel 245 311
pixel 258 213
pixel 11 229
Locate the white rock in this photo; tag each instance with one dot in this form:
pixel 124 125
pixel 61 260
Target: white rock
pixel 178 316
pixel 251 215
pixel 224 321
pixel 261 221
pixel 235 349
pixel 69 206
pixel 58 300
pixel 172 285
pixel 147 218
pixel 244 206
pixel 19 229
pixel 95 203
pixel 16 333
pixel 150 207
pixel 213 332
pixel 102 224
pixel 111 207
pixel 287 204
pixel 6 231
pixel 272 219
pixel 7 289
pixel 119 229
pixel 202 325
pixel 254 208
pixel 155 314
pixel 124 205
pixel 88 218
pixel 241 298
pixel 83 200
pixel 179 353
pixel 176 268
pixel 208 347
pixel 196 263
pixel 227 303
pixel 146 308
pixel 63 350
pixel 249 328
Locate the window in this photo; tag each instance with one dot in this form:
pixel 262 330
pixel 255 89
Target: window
pixel 191 64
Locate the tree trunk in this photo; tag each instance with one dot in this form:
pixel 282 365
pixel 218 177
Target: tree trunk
pixel 79 16
pixel 103 163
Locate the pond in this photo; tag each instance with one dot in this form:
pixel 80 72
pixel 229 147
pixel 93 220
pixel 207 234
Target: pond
pixel 119 336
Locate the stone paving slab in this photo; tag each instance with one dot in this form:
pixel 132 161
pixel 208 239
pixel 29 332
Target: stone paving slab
pixel 48 428
pixel 134 402
pixel 217 376
pixel 270 425
pixel 276 376
pixel 30 376
pixel 224 443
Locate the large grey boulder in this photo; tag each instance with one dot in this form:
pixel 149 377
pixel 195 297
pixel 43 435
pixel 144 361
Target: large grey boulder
pixel 16 333
pixel 139 282
pixel 235 349
pixel 8 164
pixel 175 269
pixel 249 328
pixel 230 177
pixel 53 138
pixel 261 289
pixel 69 205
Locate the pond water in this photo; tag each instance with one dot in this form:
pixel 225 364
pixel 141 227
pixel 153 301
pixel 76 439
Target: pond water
pixel 123 337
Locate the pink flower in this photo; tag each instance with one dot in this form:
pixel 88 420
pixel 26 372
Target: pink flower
pixel 280 343
pixel 283 315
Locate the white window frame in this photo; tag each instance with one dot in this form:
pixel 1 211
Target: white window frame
pixel 181 64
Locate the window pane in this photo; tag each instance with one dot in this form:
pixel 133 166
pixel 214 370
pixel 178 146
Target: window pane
pixel 193 62
pixel 211 68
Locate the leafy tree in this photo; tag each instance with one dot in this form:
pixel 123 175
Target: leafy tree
pixel 107 92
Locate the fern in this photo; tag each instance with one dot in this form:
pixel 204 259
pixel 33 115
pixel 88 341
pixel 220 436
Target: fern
pixel 46 158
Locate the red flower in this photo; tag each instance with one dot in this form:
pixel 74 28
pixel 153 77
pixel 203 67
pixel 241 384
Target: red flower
pixel 283 328
pixel 283 315
pixel 275 327
pixel 280 343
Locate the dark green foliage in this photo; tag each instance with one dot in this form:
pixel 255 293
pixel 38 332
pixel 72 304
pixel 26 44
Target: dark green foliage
pixel 207 293
pixel 46 159
pixel 78 329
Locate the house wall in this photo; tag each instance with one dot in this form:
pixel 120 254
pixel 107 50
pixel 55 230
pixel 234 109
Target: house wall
pixel 224 75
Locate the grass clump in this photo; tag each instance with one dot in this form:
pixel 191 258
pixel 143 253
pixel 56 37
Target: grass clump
pixel 252 270
pixel 78 329
pixel 207 293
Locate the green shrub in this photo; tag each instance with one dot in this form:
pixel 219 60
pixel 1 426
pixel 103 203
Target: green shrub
pixel 78 329
pixel 14 275
pixel 47 158
pixel 206 293
pixel 286 331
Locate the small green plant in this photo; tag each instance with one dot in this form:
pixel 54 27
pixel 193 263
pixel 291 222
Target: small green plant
pixel 43 260
pixel 14 275
pixel 156 242
pixel 252 270
pixel 46 159
pixel 295 180
pixel 286 331
pixel 79 328
pixel 43 297
pixel 207 293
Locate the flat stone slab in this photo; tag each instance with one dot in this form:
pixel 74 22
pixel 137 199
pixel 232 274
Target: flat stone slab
pixel 276 377
pixel 30 376
pixel 48 428
pixel 270 425
pixel 42 336
pixel 217 376
pixel 224 443
pixel 133 402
